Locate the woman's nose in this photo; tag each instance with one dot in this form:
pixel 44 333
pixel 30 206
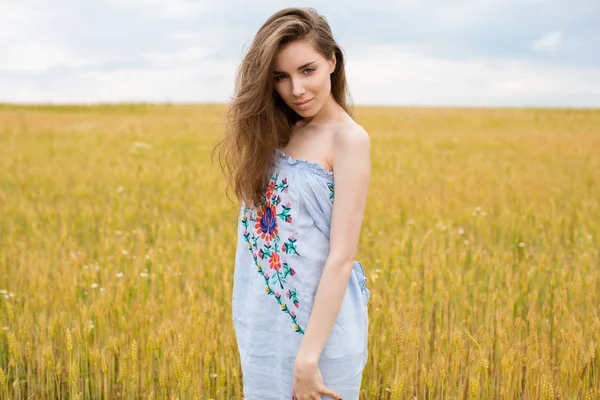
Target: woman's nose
pixel 297 88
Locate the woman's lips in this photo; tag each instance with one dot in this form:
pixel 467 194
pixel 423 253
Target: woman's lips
pixel 305 104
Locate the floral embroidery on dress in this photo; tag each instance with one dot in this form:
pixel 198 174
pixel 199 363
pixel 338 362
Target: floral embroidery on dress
pixel 263 225
pixel 331 190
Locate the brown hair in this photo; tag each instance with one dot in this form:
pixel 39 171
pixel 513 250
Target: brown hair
pixel 258 120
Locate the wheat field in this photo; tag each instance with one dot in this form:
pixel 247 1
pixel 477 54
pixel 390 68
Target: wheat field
pixel 480 242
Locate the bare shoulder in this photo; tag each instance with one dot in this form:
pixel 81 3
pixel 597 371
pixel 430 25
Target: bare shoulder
pixel 351 141
pixel 350 136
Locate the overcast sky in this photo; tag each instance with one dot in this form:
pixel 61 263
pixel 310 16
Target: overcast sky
pixel 405 52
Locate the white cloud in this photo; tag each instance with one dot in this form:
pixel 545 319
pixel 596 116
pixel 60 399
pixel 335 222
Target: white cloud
pixel 186 55
pixel 38 56
pixel 182 36
pixel 550 41
pixel 467 52
pixel 381 75
pixel 21 48
pixel 173 78
pixel 171 9
pixel 394 75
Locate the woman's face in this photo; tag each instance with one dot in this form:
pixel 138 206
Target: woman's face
pixel 301 73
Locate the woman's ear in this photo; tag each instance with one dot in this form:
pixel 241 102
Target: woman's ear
pixel 332 64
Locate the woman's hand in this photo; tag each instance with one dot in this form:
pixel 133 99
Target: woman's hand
pixel 308 382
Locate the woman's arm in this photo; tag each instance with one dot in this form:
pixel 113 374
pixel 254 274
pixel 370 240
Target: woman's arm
pixel 352 168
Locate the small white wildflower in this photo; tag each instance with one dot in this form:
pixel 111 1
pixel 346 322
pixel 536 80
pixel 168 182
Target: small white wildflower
pixel 85 267
pixel 12 294
pixel 120 189
pixel 3 291
pixel 5 328
pixel 94 285
pixel 521 244
pixel 143 274
pixel 589 237
pixel 141 145
pixel 118 233
pixel 477 208
pixel 377 270
pixel 101 289
pixel 461 231
pixel 119 274
pixel 124 252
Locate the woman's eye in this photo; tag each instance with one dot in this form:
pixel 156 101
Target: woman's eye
pixel 310 71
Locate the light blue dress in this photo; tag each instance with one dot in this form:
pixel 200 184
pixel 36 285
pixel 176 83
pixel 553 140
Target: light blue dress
pixel 281 251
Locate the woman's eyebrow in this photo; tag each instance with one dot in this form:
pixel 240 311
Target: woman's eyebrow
pixel 300 67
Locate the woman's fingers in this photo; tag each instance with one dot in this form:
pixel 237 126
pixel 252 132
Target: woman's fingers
pixel 317 396
pixel 330 393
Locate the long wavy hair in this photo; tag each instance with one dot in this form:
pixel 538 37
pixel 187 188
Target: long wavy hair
pixel 258 120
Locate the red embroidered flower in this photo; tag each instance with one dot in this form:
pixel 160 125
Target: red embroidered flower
pixel 275 261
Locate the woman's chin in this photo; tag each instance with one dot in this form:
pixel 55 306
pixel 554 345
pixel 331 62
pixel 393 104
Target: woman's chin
pixel 305 113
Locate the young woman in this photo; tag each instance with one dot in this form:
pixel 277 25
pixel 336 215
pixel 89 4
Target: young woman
pixel 299 302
